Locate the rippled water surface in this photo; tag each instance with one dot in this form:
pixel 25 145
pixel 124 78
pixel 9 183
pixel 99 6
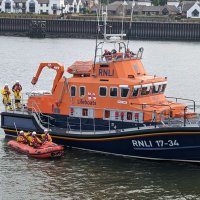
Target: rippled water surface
pixel 84 175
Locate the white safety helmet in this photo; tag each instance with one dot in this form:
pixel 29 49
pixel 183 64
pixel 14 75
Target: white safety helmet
pixel 45 130
pixel 21 132
pixel 17 81
pixel 33 133
pixel 6 85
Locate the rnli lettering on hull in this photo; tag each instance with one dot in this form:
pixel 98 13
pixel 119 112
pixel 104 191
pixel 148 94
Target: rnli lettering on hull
pixel 106 72
pixel 157 144
pixel 85 102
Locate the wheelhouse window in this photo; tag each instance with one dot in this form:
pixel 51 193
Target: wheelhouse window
pixel 156 88
pixel 113 92
pixel 145 90
pixel 163 88
pixel 82 91
pixel 103 91
pixel 136 90
pixel 124 92
pixel 73 91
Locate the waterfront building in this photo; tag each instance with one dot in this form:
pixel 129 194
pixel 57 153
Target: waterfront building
pixel 54 7
pixel 75 6
pixel 194 11
pixel 116 8
pixel 189 9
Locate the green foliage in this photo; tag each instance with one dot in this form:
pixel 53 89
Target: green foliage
pixel 159 2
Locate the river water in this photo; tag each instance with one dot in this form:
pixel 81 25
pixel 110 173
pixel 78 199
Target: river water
pixel 83 175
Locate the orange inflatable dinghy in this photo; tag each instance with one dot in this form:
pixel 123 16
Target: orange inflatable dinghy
pixel 46 150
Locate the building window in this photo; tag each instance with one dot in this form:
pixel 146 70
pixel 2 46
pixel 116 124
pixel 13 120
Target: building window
pixel 124 92
pixel 85 112
pixel 47 4
pixel 47 11
pixel 82 91
pixel 32 7
pixel 41 5
pixel 103 91
pixel 54 7
pixel 165 12
pixel 113 92
pixel 41 11
pixel 73 91
pixel 195 13
pixel 23 5
pixel 7 5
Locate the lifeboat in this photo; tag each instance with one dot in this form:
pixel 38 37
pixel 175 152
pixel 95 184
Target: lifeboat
pixel 80 68
pixel 46 150
pixel 110 105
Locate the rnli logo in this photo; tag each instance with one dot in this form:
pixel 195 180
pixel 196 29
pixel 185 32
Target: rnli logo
pixel 106 72
pixel 91 96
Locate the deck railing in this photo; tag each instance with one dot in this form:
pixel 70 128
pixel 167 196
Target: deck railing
pixel 159 119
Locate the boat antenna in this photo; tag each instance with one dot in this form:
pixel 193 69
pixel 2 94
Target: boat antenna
pixel 131 21
pixel 123 4
pixel 98 11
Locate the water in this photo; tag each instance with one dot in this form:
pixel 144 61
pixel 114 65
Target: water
pixel 83 175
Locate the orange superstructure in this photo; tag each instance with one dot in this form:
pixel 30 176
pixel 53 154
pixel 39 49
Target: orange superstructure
pixel 116 88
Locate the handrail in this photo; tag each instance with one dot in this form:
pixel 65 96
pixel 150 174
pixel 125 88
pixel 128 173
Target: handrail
pixel 191 100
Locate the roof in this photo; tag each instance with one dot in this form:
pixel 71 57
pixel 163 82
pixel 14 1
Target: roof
pixel 113 6
pixel 151 8
pixel 43 1
pixel 138 8
pixel 19 1
pixel 187 5
pixel 66 2
pixel 171 8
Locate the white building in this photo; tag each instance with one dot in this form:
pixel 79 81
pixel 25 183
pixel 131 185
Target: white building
pixel 55 7
pixel 75 6
pixel 194 11
pixel 173 3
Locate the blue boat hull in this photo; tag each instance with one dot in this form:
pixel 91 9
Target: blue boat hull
pixel 178 146
pixel 166 143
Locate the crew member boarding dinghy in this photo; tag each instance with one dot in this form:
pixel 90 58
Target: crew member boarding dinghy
pixel 46 150
pixel 111 105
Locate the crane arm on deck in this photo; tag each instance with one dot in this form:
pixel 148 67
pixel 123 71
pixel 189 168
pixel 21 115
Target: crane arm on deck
pixel 55 66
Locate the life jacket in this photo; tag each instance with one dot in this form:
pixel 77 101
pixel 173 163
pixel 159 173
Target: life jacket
pixel 21 139
pixel 46 137
pixel 6 95
pixel 17 94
